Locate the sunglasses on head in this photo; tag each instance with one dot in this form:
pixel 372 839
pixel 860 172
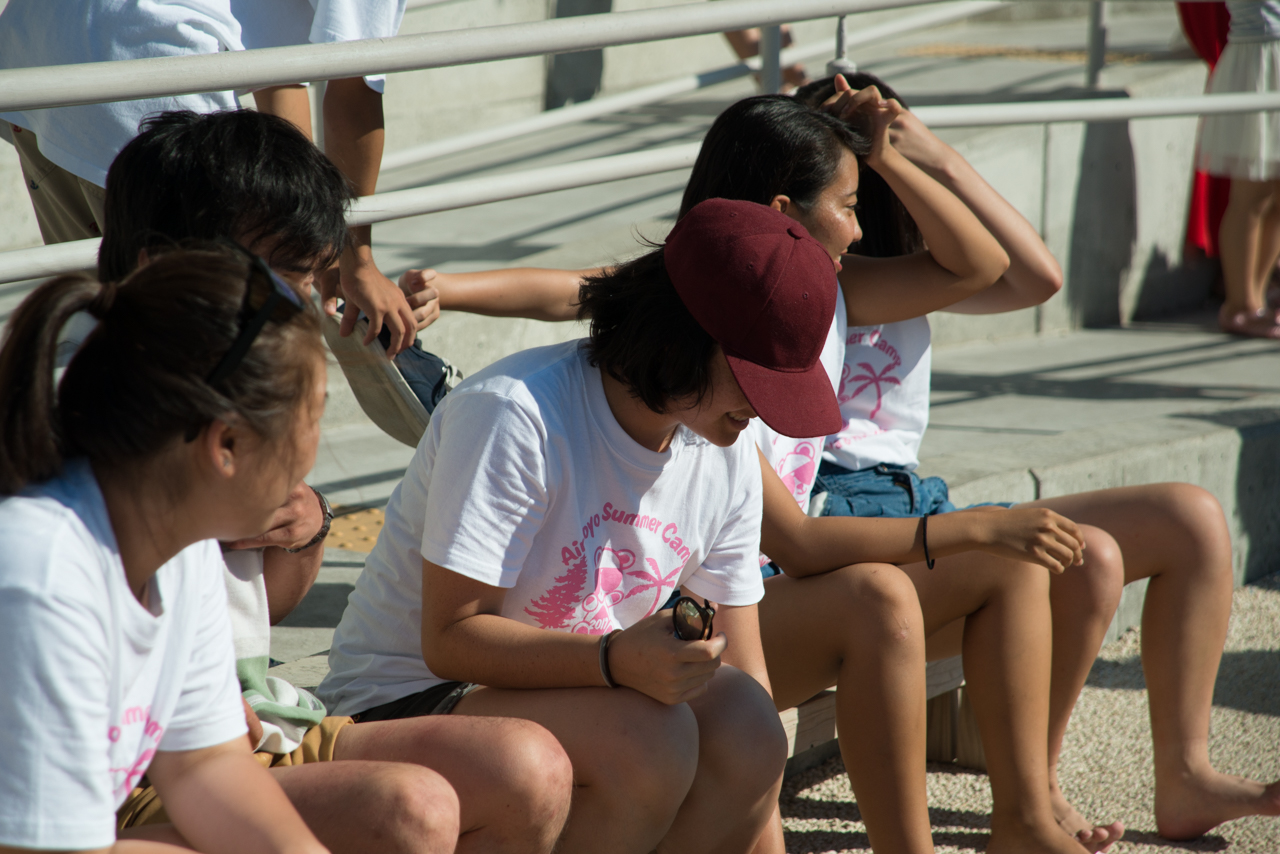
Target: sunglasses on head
pixel 266 297
pixel 691 620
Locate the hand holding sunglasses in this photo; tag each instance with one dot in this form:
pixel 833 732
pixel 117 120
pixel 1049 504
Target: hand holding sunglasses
pixel 650 658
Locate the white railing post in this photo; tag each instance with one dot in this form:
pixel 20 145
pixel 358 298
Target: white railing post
pixel 771 59
pixel 842 64
pixel 1097 43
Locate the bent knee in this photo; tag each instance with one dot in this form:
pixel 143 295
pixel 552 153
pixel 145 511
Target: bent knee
pixel 878 602
pixel 651 760
pixel 1102 573
pixel 418 810
pixel 537 774
pixel 742 738
pixel 1196 513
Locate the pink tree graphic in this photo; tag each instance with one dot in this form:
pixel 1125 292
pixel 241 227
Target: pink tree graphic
pixel 868 379
pixel 556 608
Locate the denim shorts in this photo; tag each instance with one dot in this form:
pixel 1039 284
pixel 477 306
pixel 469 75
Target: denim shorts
pixel 884 490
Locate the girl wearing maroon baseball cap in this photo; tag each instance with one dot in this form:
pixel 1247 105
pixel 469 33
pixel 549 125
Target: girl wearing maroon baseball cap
pixel 558 498
pixel 837 616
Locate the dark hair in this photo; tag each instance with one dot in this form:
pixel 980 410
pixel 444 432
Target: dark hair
pixel 238 174
pixel 767 146
pixel 138 381
pixel 643 336
pixel 888 228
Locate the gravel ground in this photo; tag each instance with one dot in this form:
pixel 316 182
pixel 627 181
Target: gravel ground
pixel 1106 762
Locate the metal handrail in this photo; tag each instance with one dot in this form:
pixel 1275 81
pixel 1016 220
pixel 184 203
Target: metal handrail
pixel 610 104
pixel 129 79
pixel 58 258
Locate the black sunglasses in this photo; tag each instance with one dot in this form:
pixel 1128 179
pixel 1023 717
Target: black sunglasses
pixel 266 297
pixel 691 620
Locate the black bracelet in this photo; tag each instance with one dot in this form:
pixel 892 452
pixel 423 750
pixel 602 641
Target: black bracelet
pixel 605 640
pixel 924 538
pixel 324 528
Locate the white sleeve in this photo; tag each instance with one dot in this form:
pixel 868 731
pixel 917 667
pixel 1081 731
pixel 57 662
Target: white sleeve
pixel 730 573
pixel 351 20
pixel 55 669
pixel 210 710
pixel 487 495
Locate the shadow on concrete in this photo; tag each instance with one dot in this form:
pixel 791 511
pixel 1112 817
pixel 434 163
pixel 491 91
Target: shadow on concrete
pixel 362 480
pixel 1094 388
pixel 1248 680
pixel 1167 290
pixel 1258 472
pixel 575 77
pixel 1104 225
pixel 1210 842
pixel 321 608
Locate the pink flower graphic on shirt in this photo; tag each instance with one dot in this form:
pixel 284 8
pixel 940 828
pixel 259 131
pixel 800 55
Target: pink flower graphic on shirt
pixel 610 565
pixel 798 470
pixel 870 378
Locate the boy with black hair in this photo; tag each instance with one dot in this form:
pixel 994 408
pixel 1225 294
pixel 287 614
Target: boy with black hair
pixel 253 178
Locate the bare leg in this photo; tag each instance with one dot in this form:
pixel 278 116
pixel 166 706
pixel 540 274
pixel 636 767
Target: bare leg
pixel 633 759
pixel 1239 238
pixel 1268 249
pixel 860 628
pixel 513 780
pixel 1007 657
pixel 374 807
pixel 1175 535
pixel 741 753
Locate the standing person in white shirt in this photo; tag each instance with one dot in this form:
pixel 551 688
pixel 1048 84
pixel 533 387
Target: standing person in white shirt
pixel 188 415
pixel 559 497
pixel 65 151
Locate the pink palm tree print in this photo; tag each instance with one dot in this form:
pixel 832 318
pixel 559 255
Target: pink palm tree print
pixel 869 379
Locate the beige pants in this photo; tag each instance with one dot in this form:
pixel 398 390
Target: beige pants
pixel 67 206
pixel 143 804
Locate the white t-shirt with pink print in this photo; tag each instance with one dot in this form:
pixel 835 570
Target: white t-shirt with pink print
pixel 94 683
pixel 796 460
pixel 525 480
pixel 884 395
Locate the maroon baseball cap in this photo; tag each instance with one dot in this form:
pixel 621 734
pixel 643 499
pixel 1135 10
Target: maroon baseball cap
pixel 765 290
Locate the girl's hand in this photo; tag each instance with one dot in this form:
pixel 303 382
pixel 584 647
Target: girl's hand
pixel 651 659
pixel 1034 534
pixel 869 112
pixel 914 141
pixel 420 290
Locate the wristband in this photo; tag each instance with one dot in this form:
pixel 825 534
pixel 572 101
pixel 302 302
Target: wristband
pixel 605 640
pixel 924 538
pixel 324 528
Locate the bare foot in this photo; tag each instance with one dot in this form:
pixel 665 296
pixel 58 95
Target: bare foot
pixel 1098 838
pixel 1249 324
pixel 1192 806
pixel 1018 838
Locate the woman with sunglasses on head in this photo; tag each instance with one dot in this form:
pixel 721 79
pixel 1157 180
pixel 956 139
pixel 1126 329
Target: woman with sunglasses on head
pixel 558 498
pixel 187 416
pixel 1171 533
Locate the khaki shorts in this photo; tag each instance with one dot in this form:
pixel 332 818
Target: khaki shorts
pixel 67 206
pixel 143 804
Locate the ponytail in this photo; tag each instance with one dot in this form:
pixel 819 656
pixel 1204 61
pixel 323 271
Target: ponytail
pixel 138 382
pixel 30 447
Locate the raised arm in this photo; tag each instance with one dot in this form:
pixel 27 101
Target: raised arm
pixel 353 138
pixel 1033 275
pixel 464 637
pixel 802 545
pixel 533 292
pixel 963 258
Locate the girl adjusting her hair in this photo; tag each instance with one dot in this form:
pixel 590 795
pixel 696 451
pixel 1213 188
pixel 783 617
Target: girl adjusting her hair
pixel 558 498
pixel 186 417
pixel 1171 533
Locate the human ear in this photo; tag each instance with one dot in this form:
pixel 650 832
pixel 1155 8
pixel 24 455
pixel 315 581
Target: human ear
pixel 780 203
pixel 218 447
